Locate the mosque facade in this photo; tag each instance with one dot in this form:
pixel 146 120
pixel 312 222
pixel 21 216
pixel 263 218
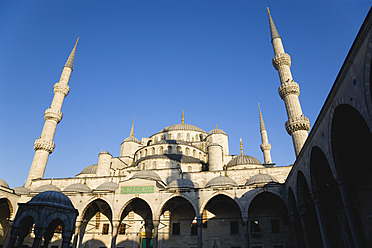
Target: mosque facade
pixel 181 187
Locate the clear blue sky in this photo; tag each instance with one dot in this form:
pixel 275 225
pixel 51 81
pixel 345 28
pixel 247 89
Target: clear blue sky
pixel 153 59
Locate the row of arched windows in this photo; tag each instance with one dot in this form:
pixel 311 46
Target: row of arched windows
pixel 179 136
pixel 169 150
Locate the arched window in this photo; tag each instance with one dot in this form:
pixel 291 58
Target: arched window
pixel 155 139
pixel 179 150
pixel 187 137
pixel 161 150
pixel 153 151
pixel 187 151
pixel 170 150
pixel 200 156
pixel 169 136
pixel 145 153
pixel 140 154
pixel 194 153
pixel 189 169
pixel 178 136
pixel 196 137
pixel 154 165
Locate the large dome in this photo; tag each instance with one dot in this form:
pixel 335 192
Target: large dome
pixel 4 184
pixel 220 182
pixel 52 198
pixel 184 127
pixel 261 179
pixel 47 187
pixel 243 160
pixel 146 174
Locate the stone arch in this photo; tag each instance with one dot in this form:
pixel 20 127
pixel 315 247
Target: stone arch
pixel 202 207
pixel 268 217
pixel 328 202
pixel 307 212
pixel 351 142
pixel 6 212
pixel 159 210
pixel 21 229
pixel 368 74
pixel 255 192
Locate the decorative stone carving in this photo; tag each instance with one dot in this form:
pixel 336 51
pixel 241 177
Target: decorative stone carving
pixel 289 88
pixel 265 147
pixel 46 145
pixel 62 88
pixel 281 59
pixel 297 123
pixel 53 114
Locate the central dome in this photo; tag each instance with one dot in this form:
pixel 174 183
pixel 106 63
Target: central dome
pixel 184 127
pixel 243 160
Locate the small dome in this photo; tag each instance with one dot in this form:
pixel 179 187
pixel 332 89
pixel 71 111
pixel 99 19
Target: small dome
pixel 108 186
pixel 243 160
pixel 22 190
pixel 77 187
pixel 184 127
pixel 47 187
pixel 214 144
pixel 131 139
pixel 91 169
pixel 4 184
pixel 221 181
pixel 146 174
pixel 261 179
pixel 52 198
pixel 217 131
pixel 182 183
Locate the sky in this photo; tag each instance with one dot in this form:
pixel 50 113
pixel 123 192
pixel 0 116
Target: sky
pixel 153 59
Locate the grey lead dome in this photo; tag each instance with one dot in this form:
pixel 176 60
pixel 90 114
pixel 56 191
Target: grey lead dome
pixel 183 126
pixel 243 160
pixel 182 183
pixel 261 179
pixel 4 184
pixel 77 187
pixel 221 181
pixel 108 186
pixel 47 187
pixel 146 174
pixel 52 198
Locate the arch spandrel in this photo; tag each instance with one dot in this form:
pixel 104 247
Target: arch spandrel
pixel 160 208
pixel 234 199
pixel 89 204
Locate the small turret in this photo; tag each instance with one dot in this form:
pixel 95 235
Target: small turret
pixel 129 146
pixel 104 164
pixel 215 159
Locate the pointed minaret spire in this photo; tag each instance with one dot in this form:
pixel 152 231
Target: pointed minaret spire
pixel 265 146
pixel 241 147
pixel 71 58
pixel 132 130
pixel 274 31
pixel 183 117
pixel 297 125
pixel 44 145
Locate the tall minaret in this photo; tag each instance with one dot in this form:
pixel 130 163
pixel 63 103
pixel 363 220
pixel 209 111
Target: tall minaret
pixel 265 146
pixel 44 145
pixel 297 125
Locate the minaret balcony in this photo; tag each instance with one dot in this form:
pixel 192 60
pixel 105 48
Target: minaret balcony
pixel 281 59
pixel 265 147
pixel 53 114
pixel 288 89
pixel 296 124
pixel 61 88
pixel 46 145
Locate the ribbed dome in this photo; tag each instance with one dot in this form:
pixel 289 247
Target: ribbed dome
pixel 22 190
pixel 221 181
pixel 108 186
pixel 243 160
pixel 183 126
pixel 217 131
pixel 181 183
pixel 146 174
pixel 131 139
pixel 77 187
pixel 4 184
pixel 261 179
pixel 91 169
pixel 52 198
pixel 47 187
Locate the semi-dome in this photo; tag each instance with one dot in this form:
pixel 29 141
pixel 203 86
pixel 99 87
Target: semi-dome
pixel 181 183
pixel 91 169
pixel 131 139
pixel 77 187
pixel 146 174
pixel 108 186
pixel 261 179
pixel 4 184
pixel 47 187
pixel 22 190
pixel 217 131
pixel 220 182
pixel 243 160
pixel 183 127
pixel 53 198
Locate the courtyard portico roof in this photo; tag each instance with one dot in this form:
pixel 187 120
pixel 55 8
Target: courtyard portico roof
pixel 77 187
pixel 108 186
pixel 221 181
pixel 261 179
pixel 53 198
pixel 181 183
pixel 146 174
pixel 22 190
pixel 4 184
pixel 47 187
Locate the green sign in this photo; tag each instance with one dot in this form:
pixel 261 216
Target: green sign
pixel 137 190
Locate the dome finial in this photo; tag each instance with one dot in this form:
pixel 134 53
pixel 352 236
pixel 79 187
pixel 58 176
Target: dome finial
pixel 241 146
pixel 132 129
pixel 216 126
pixel 183 117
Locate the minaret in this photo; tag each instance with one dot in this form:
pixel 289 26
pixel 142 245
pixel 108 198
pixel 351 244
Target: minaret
pixel 44 145
pixel 265 146
pixel 297 125
pixel 132 130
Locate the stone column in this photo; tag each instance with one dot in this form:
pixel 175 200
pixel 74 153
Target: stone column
pixel 292 223
pixel 81 233
pixel 246 232
pixel 321 219
pixel 76 235
pixel 9 235
pixel 301 212
pixel 12 241
pixel 65 242
pixel 351 217
pixel 200 226
pixel 155 236
pixel 114 233
pixel 38 237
